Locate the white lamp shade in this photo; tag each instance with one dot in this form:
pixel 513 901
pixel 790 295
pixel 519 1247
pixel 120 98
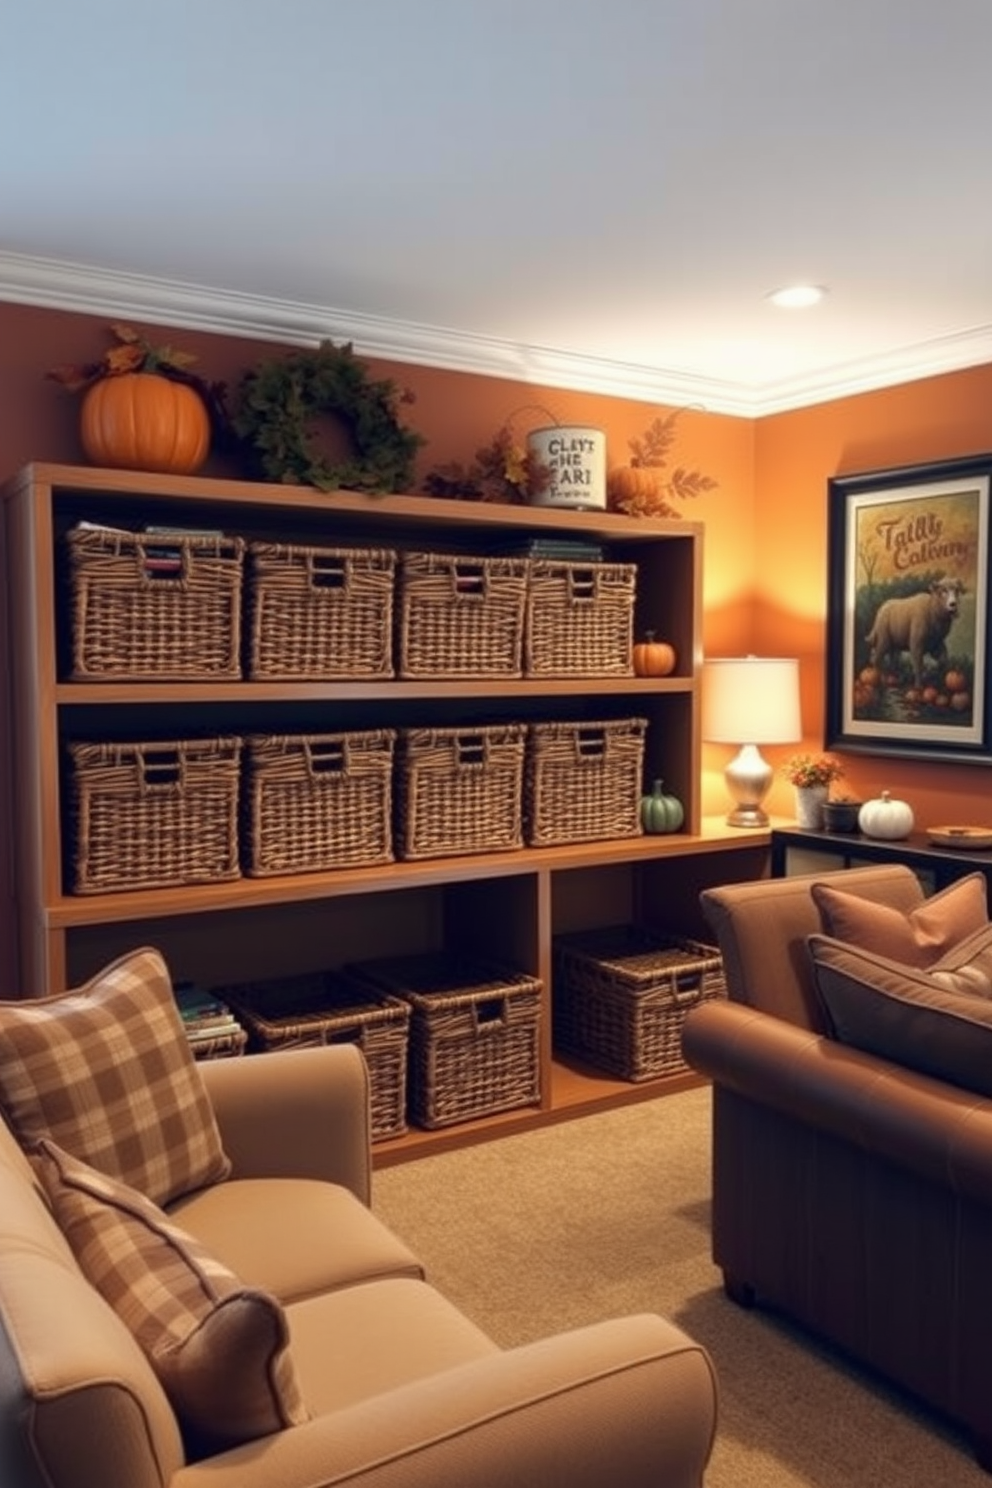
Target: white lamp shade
pixel 751 700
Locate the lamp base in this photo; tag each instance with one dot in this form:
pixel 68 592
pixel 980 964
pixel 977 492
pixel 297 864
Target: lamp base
pixel 749 779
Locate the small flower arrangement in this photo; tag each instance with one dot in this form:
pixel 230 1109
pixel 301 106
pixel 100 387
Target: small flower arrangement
pixel 812 769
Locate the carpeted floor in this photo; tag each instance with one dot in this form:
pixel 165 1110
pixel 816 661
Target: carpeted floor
pixel 609 1214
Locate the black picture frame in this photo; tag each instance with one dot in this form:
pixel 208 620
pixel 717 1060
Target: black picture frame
pixel 911 678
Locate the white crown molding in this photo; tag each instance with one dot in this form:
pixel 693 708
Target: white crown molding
pixel 55 284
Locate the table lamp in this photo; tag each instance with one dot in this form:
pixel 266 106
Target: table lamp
pixel 750 700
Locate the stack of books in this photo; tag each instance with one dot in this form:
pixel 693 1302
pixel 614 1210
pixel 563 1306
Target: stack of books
pixel 211 1027
pixel 554 549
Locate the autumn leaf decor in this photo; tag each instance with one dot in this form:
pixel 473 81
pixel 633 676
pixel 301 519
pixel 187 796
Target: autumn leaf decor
pixel 503 470
pixel 645 487
pixel 142 409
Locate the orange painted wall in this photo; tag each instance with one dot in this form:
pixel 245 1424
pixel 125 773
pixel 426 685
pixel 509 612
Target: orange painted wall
pixel 764 586
pixel 935 418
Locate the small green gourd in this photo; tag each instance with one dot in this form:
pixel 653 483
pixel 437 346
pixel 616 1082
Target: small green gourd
pixel 661 812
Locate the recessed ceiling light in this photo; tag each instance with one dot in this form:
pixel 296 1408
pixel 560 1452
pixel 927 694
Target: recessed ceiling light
pixel 797 296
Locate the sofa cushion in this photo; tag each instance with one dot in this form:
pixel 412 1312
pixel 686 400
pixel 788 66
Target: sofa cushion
pixel 219 1348
pixel 904 1014
pixel 334 1240
pixel 105 1070
pixel 918 938
pixel 967 967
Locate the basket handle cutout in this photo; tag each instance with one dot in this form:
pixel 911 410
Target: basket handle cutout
pixel 590 743
pixel 158 564
pixel 327 573
pixel 490 1014
pixel 160 768
pixel 469 579
pixel 471 749
pixel 582 585
pixel 688 987
pixel 326 759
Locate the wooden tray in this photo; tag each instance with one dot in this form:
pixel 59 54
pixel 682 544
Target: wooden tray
pixel 977 838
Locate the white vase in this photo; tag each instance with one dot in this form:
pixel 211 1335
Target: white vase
pixel 809 805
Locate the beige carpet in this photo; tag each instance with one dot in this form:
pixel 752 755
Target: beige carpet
pixel 609 1214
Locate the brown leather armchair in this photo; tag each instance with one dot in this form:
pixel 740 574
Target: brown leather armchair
pixel 849 1193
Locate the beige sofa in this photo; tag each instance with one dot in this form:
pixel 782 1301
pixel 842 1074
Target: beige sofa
pixel 402 1389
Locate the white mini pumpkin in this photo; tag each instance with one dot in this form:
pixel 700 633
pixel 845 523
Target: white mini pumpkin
pixel 886 818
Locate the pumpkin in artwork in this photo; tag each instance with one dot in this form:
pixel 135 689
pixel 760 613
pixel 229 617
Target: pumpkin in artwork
pixel 142 421
pixel 653 658
pixel 661 812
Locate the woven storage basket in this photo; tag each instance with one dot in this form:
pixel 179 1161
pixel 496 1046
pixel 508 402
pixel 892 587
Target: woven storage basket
pixel 473 1034
pixel 145 816
pixel 460 790
pixel 333 1007
pixel 319 612
pixel 583 781
pixel 621 995
pixel 313 802
pixel 222 1046
pixel 163 607
pixel 579 619
pixel 461 616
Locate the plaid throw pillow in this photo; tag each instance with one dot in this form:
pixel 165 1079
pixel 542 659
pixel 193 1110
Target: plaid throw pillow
pixel 106 1071
pixel 219 1348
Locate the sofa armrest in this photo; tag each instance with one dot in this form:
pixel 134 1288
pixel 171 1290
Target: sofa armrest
pixel 630 1401
pixel 921 1124
pixel 296 1113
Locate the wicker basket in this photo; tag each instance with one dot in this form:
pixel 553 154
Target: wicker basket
pixel 146 816
pixel 473 1034
pixel 459 790
pixel 620 997
pixel 229 1045
pixel 314 802
pixel 154 607
pixel 334 1007
pixel 580 619
pixel 461 616
pixel 319 612
pixel 583 781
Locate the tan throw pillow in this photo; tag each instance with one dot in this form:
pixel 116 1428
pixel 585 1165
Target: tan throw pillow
pixel 219 1348
pixel 105 1070
pixel 903 1014
pixel 916 939
pixel 967 967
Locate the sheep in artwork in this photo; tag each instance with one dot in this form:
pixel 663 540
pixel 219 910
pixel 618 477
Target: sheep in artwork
pixel 917 624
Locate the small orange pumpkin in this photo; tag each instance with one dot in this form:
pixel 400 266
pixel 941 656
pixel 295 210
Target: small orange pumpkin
pixel 141 421
pixel 632 485
pixel 653 658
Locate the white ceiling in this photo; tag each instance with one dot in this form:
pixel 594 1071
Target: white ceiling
pixel 588 193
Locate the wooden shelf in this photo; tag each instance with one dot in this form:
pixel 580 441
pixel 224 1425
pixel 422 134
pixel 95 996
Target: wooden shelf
pixel 508 905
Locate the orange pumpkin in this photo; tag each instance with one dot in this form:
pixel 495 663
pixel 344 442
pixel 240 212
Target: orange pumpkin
pixel 141 421
pixel 632 486
pixel 653 658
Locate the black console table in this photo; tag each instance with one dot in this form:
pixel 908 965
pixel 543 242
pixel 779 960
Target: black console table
pixel 798 850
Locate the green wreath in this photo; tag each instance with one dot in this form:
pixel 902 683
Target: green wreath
pixel 277 402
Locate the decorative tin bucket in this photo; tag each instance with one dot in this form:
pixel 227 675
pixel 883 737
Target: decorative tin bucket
pixel 576 457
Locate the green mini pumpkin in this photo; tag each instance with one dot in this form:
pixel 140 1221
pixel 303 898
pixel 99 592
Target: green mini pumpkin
pixel 660 812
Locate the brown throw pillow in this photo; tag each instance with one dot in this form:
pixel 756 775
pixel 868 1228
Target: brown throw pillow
pixel 219 1348
pixel 903 1014
pixel 105 1070
pixel 917 939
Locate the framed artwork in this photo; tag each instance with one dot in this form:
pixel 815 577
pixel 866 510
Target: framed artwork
pixel 908 611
